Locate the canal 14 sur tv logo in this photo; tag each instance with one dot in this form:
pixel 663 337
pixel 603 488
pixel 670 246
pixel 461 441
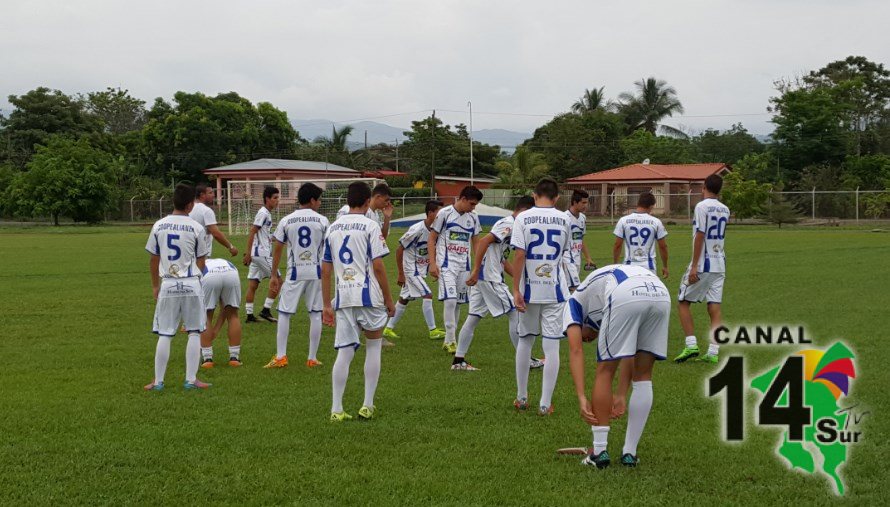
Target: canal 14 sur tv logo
pixel 806 392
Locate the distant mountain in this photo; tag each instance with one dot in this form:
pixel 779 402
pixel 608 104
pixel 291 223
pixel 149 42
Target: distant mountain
pixel 506 139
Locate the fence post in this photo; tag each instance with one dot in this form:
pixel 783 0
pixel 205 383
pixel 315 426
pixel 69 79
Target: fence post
pixel 612 207
pixel 161 207
pixel 689 205
pixel 403 204
pixel 857 205
pixel 814 203
pixel 131 208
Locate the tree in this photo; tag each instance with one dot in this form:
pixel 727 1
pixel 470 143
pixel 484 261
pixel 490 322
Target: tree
pixel 758 166
pixel 869 172
pixel 523 170
pixel 746 198
pixel 64 178
pixel 728 146
pixel 642 145
pixel 429 138
pixel 654 101
pixel 592 100
pixel 117 110
pixel 779 211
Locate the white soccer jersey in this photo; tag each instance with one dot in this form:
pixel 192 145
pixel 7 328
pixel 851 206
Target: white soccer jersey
pixel 590 299
pixel 544 235
pixel 178 241
pixel 373 215
pixel 303 232
pixel 352 244
pixel 577 227
pixel 711 217
pixel 262 241
pixel 492 267
pixel 416 257
pixel 640 232
pixel 456 231
pixel 205 216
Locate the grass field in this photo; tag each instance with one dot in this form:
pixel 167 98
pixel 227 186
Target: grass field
pixel 76 348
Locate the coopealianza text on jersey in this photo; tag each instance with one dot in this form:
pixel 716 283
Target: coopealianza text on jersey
pixel 545 220
pixel 175 227
pixel 352 226
pixel 303 218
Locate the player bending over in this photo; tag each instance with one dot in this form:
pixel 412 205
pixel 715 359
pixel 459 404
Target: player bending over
pixel 303 232
pixel 638 233
pixel 631 308
pixel 489 295
pixel 259 255
pixel 578 226
pixel 412 257
pixel 221 285
pixel 703 280
pixel 380 209
pixel 453 233
pixel 178 249
pixel 540 237
pixel 204 215
pixel 354 251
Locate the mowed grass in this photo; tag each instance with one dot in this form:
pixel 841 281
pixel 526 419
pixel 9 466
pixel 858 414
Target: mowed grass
pixel 76 348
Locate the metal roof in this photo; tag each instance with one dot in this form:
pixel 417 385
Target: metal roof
pixel 279 164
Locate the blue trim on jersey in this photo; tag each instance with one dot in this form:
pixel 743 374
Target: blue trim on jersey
pixel 327 252
pixel 471 230
pixel 605 338
pixel 318 270
pixel 591 324
pixel 293 273
pixel 527 293
pixel 576 311
pixel 651 263
pixel 355 345
pixel 366 288
pixel 559 297
pixel 620 276
pixel 152 253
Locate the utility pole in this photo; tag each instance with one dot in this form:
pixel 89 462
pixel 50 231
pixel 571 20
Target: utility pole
pixel 470 104
pixel 366 140
pixel 433 152
pixel 397 155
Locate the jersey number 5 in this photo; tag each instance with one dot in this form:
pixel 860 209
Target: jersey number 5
pixel 176 252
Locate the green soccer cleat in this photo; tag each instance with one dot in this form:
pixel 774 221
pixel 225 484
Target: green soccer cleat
pixel 437 334
pixel 451 348
pixel 708 358
pixel 629 460
pixel 599 461
pixel 389 333
pixel 366 413
pixel 688 353
pixel 337 417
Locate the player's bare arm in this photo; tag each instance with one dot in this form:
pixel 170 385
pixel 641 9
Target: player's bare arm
pixel 663 252
pixel 400 254
pixel 222 239
pixel 154 263
pixel 697 248
pixel 201 262
pixel 480 248
pixel 380 274
pixel 275 281
pixel 250 238
pixel 387 216
pixel 616 250
pixel 327 312
pixel 518 263
pixel 576 364
pixel 588 262
pixel 431 246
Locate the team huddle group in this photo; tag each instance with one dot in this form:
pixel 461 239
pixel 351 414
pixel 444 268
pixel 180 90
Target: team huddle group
pixel 624 306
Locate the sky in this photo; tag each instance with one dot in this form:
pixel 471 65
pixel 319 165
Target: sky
pixel 518 62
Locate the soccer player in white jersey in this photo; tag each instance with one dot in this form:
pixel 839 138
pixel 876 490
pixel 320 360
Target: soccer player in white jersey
pixel 178 248
pixel 578 226
pixel 360 299
pixel 453 233
pixel 303 233
pixel 540 237
pixel 259 256
pixel 204 215
pixel 413 262
pixel 703 280
pixel 638 233
pixel 630 309
pixel 489 294
pixel 380 209
pixel 222 286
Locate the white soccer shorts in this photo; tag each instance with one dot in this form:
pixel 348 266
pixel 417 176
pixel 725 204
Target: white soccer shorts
pixel 572 274
pixel 180 300
pixel 490 298
pixel 260 268
pixel 543 319
pixel 294 290
pixel 353 320
pixel 415 287
pixel 222 287
pixel 453 285
pixel 709 287
pixel 631 325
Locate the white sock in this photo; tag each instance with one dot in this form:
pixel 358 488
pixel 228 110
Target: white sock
pixel 523 356
pixel 713 349
pixel 248 307
pixel 192 357
pixel 466 335
pixel 268 304
pixel 207 353
pixel 551 370
pixel 314 334
pixel 372 369
pixel 162 356
pixel 514 327
pixel 691 341
pixel 339 374
pixel 235 351
pixel 638 408
pixel 400 310
pixel 600 437
pixel 428 314
pixel 450 318
pixel 282 333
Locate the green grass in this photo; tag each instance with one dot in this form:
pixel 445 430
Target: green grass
pixel 76 427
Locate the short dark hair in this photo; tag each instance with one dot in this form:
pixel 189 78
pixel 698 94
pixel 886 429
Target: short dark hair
pixel 548 188
pixel 307 192
pixel 470 193
pixel 268 192
pixel 646 200
pixel 433 205
pixel 357 194
pixel 382 189
pixel 200 188
pixel 183 195
pixel 579 194
pixel 524 202
pixel 714 183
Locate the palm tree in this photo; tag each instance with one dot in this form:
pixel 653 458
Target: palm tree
pixel 655 100
pixel 591 101
pixel 337 141
pixel 523 170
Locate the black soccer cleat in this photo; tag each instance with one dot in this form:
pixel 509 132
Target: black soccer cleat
pixel 600 460
pixel 267 315
pixel 251 318
pixel 629 460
